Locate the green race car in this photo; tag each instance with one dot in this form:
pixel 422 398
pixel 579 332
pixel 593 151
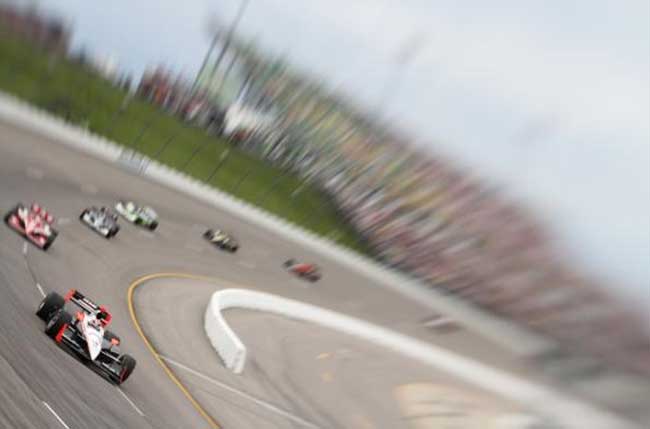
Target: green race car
pixel 144 216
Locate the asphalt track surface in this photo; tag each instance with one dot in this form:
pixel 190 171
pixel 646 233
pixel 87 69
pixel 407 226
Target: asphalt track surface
pixel 298 375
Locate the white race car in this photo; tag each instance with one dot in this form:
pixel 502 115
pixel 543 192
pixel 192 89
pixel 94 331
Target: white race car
pixel 101 220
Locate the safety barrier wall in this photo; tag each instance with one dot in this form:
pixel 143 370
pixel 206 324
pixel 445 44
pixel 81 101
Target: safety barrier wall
pixel 223 339
pixel 553 405
pixel 502 332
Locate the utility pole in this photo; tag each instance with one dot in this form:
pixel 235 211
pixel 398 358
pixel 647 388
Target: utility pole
pixel 213 43
pixel 224 48
pixel 402 58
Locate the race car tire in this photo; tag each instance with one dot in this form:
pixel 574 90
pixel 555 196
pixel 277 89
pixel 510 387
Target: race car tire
pixel 153 226
pixel 289 262
pixel 82 215
pixel 50 240
pixel 208 234
pixel 11 213
pixel 113 232
pixel 52 303
pixel 57 323
pixel 127 365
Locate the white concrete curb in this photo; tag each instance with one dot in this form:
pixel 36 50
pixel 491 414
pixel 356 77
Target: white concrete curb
pixel 517 340
pixel 554 405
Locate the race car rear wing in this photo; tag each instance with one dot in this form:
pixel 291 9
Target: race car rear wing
pixel 80 300
pixel 87 305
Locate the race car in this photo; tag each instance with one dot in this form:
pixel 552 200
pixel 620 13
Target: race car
pixel 101 220
pixel 307 271
pixel 34 223
pixel 144 216
pixel 221 239
pixel 85 333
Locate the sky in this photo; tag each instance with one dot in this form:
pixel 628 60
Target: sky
pixel 549 100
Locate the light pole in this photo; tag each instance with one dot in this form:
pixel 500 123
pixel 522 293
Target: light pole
pixel 403 57
pixel 213 43
pixel 224 48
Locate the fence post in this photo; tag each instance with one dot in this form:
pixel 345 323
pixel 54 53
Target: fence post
pixel 222 159
pixel 241 180
pixel 194 153
pixel 145 128
pixel 160 151
pixel 114 118
pixel 262 198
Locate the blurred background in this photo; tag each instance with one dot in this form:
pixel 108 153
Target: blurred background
pixel 498 152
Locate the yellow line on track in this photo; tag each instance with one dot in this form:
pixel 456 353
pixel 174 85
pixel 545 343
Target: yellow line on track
pixel 132 287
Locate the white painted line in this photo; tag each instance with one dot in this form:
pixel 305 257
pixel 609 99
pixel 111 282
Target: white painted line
pixel 40 289
pixel 24 247
pixel 135 407
pixel 261 403
pixel 56 415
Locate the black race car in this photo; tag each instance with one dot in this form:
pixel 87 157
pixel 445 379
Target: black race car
pixel 101 220
pixel 221 239
pixel 85 333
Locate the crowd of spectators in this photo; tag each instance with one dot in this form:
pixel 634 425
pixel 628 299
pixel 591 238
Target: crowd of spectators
pixel 463 238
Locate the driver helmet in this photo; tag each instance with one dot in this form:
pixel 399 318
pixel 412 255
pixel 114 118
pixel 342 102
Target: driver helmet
pixel 95 321
pixel 103 311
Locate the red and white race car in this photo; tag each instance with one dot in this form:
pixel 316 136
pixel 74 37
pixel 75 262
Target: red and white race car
pixel 34 223
pixel 86 333
pixel 304 270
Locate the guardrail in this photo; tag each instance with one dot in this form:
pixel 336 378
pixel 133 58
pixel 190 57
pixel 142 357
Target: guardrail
pixel 510 336
pixel 571 413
